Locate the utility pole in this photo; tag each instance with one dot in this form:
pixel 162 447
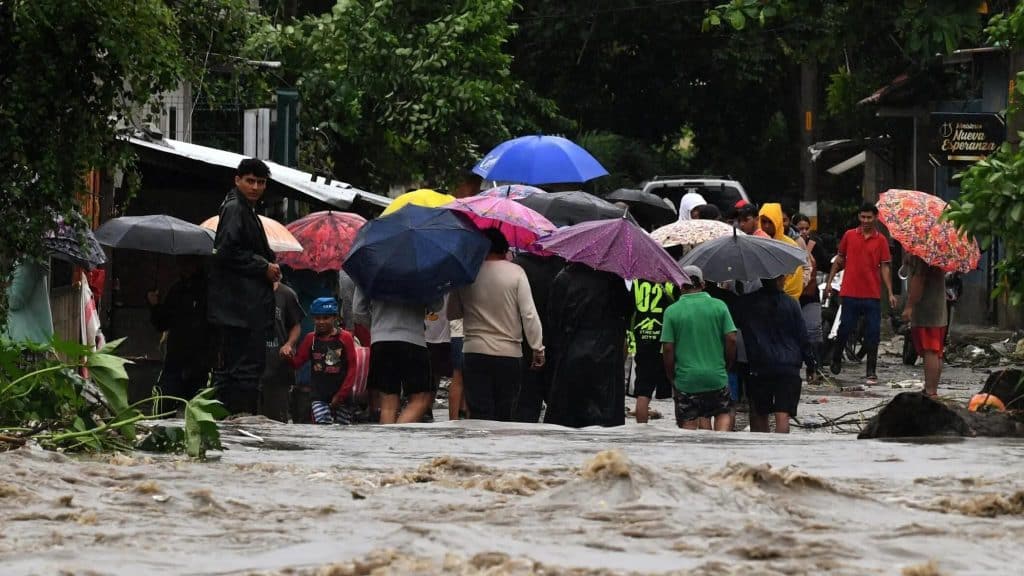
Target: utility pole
pixel 808 107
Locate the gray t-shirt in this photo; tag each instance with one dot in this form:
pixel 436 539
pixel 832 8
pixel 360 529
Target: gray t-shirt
pixel 930 311
pixel 393 321
pixel 346 292
pixel 287 313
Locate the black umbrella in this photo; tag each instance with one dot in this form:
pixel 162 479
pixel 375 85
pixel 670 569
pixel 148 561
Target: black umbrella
pixel 744 258
pixel 156 233
pixel 568 208
pixel 72 241
pixel 649 208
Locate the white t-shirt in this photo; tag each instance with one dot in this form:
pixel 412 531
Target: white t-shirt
pixel 436 324
pixel 455 327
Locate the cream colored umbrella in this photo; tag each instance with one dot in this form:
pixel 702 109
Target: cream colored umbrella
pixel 279 238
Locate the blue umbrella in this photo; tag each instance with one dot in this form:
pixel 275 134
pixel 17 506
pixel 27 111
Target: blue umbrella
pixel 536 160
pixel 416 254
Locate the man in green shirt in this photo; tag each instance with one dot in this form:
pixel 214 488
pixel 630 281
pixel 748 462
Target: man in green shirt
pixel 698 348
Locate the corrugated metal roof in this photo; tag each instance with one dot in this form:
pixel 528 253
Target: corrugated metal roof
pixel 338 194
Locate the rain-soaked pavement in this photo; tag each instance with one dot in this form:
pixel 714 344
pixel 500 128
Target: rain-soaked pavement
pixel 486 498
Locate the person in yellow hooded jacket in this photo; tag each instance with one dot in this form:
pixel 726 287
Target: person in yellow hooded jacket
pixel 771 223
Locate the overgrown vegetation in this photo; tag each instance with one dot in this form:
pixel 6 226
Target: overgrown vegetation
pixel 46 400
pixel 74 75
pixel 404 91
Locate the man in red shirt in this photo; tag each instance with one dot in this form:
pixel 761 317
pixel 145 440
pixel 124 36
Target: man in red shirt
pixel 863 252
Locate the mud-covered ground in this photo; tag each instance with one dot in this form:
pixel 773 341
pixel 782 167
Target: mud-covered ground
pixel 487 498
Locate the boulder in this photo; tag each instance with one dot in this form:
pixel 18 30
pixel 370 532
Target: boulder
pixel 914 414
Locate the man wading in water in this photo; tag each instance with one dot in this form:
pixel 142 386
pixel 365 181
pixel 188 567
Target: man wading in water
pixel 497 309
pixel 698 348
pixel 241 291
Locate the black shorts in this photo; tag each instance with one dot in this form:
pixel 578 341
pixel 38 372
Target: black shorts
pixel 397 367
pixel 702 404
pixel 440 360
pixel 651 381
pixel 770 393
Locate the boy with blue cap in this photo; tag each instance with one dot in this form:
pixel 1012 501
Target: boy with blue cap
pixel 331 353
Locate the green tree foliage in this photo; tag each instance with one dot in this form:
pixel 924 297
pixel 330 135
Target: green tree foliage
pixel 991 202
pixel 858 45
pixel 630 160
pixel 404 90
pixel 642 70
pixel 74 75
pixel 69 71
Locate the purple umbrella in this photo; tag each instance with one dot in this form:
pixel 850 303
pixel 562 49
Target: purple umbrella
pixel 617 246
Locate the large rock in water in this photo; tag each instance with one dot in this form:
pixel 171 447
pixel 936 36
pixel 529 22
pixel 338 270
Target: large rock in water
pixel 913 414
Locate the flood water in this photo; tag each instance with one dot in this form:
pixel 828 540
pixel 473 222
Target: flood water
pixel 488 498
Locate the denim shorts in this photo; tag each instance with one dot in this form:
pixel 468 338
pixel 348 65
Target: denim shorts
pixel 457 353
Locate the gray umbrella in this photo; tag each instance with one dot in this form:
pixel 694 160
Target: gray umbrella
pixel 649 208
pixel 744 258
pixel 568 208
pixel 156 233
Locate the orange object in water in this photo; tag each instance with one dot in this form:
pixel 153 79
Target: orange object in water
pixel 985 401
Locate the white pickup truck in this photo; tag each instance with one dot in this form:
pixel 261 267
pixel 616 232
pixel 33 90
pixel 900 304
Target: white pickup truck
pixel 721 191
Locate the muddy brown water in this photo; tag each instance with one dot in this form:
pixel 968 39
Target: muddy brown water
pixel 488 498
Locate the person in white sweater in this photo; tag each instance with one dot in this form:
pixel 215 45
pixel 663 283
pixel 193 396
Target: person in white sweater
pixel 497 309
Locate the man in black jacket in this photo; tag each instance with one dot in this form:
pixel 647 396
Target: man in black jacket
pixel 775 337
pixel 241 290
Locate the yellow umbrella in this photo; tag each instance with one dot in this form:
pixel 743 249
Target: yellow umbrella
pixel 279 238
pixel 423 197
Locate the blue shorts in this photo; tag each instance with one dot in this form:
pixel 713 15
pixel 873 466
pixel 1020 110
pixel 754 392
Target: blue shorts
pixel 457 353
pixel 734 386
pixel 855 308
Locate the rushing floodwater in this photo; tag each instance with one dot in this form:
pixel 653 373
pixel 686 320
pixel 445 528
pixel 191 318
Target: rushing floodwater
pixel 487 498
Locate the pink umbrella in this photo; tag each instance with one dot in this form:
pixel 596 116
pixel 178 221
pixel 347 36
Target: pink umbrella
pixel 520 225
pixel 617 246
pixel 512 191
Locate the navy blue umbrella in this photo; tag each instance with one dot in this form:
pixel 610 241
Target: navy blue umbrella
pixel 416 254
pixel 536 160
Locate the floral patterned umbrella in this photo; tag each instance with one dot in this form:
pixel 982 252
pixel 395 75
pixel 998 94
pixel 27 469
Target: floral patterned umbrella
pixel 520 225
pixel 914 219
pixel 71 240
pixel 691 232
pixel 326 237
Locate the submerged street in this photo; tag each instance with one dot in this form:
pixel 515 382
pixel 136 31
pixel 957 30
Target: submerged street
pixel 474 497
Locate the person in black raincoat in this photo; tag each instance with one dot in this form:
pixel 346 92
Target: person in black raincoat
pixel 540 272
pixel 182 314
pixel 588 313
pixel 241 290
